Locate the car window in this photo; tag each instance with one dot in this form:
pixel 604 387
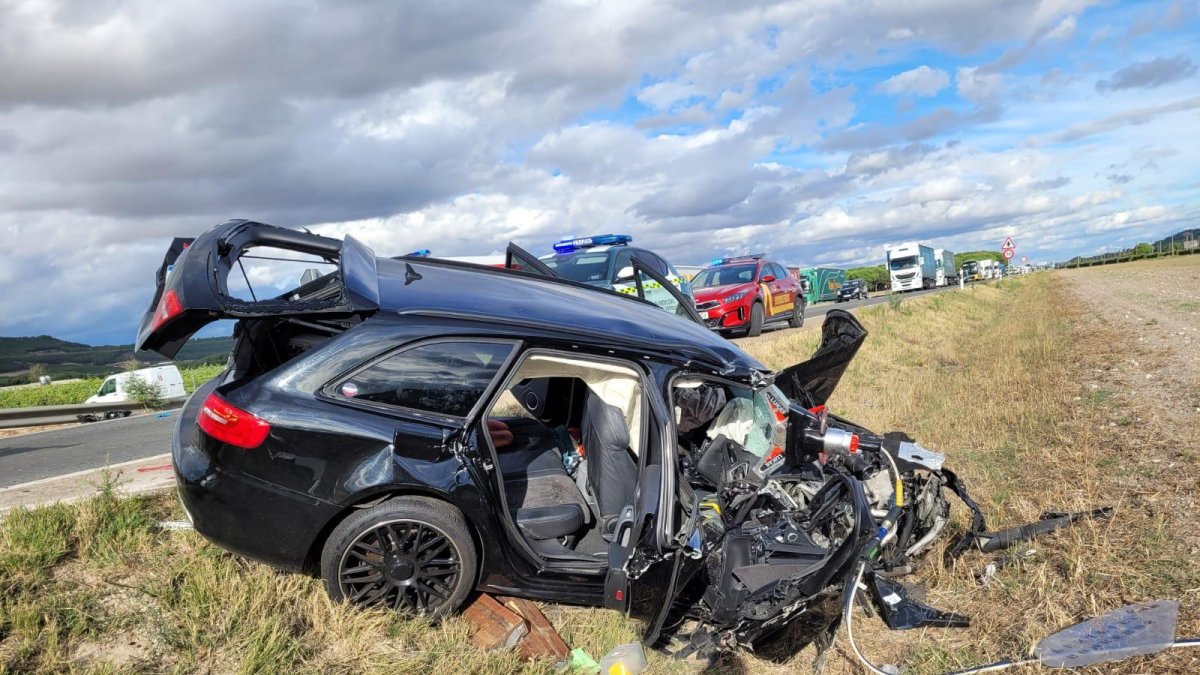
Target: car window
pixel 624 259
pixel 654 262
pixel 721 276
pixel 109 386
pixel 580 266
pixel 447 378
pixel 778 271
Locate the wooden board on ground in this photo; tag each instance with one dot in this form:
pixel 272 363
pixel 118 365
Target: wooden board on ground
pixel 495 626
pixel 543 639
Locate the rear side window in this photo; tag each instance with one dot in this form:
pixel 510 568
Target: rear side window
pixel 447 378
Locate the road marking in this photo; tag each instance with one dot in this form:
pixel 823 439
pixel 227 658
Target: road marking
pixel 41 481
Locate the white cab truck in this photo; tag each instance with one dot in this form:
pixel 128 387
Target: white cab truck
pixel 990 269
pixel 947 271
pixel 115 388
pixel 912 267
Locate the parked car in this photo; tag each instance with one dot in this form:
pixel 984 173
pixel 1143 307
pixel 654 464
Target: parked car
pixel 854 289
pixel 742 295
pixel 414 429
pixel 605 260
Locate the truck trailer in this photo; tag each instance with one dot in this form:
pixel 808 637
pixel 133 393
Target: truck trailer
pixel 912 267
pixel 947 271
pixel 821 283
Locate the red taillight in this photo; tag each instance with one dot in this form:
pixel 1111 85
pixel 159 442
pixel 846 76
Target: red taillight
pixel 231 425
pixel 168 308
pixel 853 442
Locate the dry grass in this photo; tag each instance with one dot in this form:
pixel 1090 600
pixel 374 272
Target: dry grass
pixel 1014 381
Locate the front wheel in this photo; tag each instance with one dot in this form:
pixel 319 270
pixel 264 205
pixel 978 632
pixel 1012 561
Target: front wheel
pixel 756 320
pixel 410 554
pixel 797 320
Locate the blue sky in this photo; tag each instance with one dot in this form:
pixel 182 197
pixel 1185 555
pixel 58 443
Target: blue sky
pixel 819 131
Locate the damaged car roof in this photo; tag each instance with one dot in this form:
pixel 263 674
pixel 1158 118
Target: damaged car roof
pixel 429 287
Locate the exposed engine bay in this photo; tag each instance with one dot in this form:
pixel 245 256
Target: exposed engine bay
pixel 793 506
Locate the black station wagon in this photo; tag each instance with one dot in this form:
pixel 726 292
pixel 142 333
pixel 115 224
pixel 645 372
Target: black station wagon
pixel 414 430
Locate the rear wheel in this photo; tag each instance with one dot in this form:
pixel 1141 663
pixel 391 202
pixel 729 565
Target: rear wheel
pixel 756 320
pixel 797 319
pixel 411 554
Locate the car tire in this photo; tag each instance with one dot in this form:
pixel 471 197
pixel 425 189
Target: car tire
pixel 797 320
pixel 412 554
pixel 756 320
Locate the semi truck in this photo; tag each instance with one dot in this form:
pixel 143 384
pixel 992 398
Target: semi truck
pixel 821 283
pixel 947 271
pixel 912 267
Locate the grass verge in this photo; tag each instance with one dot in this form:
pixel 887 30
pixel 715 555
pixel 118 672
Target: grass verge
pixel 999 377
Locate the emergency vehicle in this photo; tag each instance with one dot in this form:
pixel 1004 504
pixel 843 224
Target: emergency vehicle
pixel 744 294
pixel 606 260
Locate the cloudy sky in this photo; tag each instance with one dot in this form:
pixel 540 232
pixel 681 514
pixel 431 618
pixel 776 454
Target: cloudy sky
pixel 819 130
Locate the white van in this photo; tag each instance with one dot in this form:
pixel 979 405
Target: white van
pixel 167 377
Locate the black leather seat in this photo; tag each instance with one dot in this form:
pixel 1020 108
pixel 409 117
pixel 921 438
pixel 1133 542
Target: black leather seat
pixel 550 522
pixel 545 502
pixel 612 469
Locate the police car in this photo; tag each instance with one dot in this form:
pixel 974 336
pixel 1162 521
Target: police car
pixel 607 260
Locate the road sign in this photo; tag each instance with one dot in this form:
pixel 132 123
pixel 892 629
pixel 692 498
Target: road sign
pixel 1008 254
pixel 1024 258
pixel 1008 243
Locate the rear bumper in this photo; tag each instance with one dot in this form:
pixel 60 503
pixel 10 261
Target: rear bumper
pixel 246 516
pixel 241 514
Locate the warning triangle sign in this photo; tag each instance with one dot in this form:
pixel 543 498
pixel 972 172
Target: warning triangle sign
pixel 1008 243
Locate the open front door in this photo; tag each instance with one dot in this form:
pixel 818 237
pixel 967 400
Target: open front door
pixel 649 559
pixel 650 284
pixel 517 258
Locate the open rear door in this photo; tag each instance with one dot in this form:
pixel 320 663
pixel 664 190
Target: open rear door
pixel 193 283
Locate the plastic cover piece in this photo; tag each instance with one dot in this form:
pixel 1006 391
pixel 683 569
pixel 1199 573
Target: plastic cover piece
pixel 1132 630
pixel 901 612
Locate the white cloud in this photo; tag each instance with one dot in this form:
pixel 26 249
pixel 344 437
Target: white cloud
pixel 920 81
pixel 127 122
pixel 976 85
pixel 1064 30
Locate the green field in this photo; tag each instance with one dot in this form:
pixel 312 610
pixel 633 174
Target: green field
pixel 72 393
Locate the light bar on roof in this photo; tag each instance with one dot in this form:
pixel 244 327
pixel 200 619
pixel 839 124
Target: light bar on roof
pixel 569 245
pixel 739 258
pixel 422 253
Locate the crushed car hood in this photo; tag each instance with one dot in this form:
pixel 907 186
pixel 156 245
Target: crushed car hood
pixel 812 382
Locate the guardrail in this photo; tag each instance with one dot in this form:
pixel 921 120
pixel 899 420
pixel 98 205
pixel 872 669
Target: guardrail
pixel 36 416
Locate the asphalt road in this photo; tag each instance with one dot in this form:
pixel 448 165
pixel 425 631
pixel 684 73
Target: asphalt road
pixel 91 446
pixel 86 446
pixel 820 309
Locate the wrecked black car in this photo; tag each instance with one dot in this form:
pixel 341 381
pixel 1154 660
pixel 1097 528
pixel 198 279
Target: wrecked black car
pixel 415 429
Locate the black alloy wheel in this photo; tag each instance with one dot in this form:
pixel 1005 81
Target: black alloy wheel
pixel 410 554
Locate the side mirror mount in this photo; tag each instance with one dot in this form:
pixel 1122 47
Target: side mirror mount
pixel 625 274
pixel 768 278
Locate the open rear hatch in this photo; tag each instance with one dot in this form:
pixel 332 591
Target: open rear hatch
pixel 193 287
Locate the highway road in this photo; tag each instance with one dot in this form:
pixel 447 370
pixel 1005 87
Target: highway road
pixel 86 446
pixel 91 446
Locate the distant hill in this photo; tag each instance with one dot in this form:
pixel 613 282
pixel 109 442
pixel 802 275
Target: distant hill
pixel 63 359
pixel 1164 244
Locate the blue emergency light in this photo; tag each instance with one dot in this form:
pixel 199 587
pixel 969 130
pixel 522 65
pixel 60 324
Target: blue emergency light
pixel 423 253
pixel 569 245
pixel 739 258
